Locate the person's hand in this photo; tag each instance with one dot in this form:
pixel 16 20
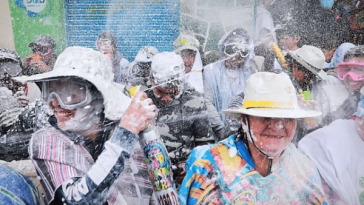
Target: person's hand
pixel 139 114
pixel 22 98
pixel 180 173
pixel 27 60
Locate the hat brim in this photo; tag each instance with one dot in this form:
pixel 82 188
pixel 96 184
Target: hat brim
pixel 115 100
pixel 303 63
pixel 179 50
pixel 273 113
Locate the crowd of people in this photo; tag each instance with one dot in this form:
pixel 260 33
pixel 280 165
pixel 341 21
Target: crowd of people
pixel 287 130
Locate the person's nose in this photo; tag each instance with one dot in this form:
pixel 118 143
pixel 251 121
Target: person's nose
pixel 166 98
pixel 275 123
pixel 186 60
pixel 348 78
pixel 54 102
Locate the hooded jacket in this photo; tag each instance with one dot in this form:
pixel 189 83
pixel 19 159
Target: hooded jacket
pixel 221 84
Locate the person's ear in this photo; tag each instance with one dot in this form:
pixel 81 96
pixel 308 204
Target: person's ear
pixel 297 39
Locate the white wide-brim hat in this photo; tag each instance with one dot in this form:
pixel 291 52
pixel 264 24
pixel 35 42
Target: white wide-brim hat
pixel 92 66
pixel 312 58
pixel 271 95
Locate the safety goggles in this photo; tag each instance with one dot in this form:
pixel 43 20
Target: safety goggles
pixel 9 69
pixel 41 49
pixel 69 94
pixel 233 48
pixel 352 69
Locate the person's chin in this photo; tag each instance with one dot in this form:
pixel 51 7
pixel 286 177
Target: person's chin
pixel 273 144
pixel 62 118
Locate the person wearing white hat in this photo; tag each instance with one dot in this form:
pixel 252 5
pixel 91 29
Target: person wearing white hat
pixel 138 71
pixel 182 119
pixel 338 151
pixel 257 165
pixel 81 157
pixel 187 46
pixel 306 65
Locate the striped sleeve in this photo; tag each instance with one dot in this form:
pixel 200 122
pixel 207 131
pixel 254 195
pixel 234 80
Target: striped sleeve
pixel 68 171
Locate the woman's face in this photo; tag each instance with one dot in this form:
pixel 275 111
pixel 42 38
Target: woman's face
pixel 271 135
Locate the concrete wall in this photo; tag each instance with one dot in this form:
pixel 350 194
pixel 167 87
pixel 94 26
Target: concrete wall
pixel 6 30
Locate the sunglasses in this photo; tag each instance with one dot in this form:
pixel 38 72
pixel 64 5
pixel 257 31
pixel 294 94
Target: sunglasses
pixel 42 49
pixel 233 48
pixel 9 69
pixel 352 69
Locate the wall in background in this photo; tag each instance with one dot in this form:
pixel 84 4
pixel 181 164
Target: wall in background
pixel 6 30
pixel 33 17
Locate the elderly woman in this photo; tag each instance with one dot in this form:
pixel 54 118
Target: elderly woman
pixel 227 77
pixel 258 165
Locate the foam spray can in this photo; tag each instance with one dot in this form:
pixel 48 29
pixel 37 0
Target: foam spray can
pixel 158 164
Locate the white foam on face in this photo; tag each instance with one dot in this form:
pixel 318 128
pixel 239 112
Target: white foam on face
pixel 85 119
pixel 280 125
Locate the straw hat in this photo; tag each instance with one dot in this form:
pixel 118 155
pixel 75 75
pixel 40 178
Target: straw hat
pixel 93 67
pixel 271 95
pixel 312 58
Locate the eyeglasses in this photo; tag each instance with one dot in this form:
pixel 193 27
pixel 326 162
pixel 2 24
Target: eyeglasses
pixel 353 69
pixel 233 48
pixel 70 94
pixel 42 49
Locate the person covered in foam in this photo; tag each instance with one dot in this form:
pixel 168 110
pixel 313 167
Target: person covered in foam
pixel 258 164
pixel 82 158
pixel 227 77
pixel 187 47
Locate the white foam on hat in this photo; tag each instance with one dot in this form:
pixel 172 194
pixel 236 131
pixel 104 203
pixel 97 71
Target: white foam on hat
pixel 166 65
